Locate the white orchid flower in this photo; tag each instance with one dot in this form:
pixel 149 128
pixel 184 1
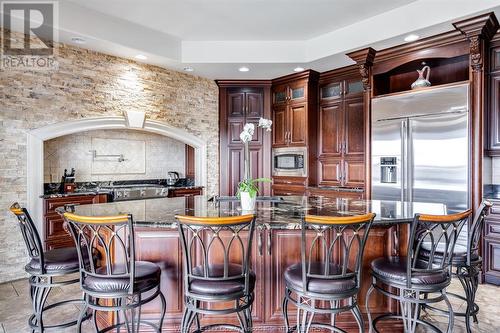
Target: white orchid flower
pixel 249 128
pixel 245 136
pixel 265 124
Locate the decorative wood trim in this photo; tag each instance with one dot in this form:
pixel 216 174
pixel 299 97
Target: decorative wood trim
pixel 364 60
pixel 478 30
pixel 243 83
pixel 308 74
pixel 338 73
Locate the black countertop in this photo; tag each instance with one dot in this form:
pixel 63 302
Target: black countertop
pixel 283 214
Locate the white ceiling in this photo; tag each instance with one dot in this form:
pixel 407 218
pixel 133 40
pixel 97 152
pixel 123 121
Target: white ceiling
pixel 202 20
pixel 271 37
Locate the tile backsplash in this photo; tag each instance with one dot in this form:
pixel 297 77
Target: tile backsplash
pixel 145 156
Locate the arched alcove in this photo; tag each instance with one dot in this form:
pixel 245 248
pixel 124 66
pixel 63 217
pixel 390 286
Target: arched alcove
pixel 36 138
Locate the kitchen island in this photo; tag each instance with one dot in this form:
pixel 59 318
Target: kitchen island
pixel 277 245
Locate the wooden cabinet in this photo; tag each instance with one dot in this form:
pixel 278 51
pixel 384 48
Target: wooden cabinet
pixel 241 103
pixel 492 117
pixel 341 136
pixel 491 245
pixel 294 106
pixel 54 233
pixel 334 194
pixel 185 192
pixel 289 185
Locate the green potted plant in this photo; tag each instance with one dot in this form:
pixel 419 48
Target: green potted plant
pixel 248 188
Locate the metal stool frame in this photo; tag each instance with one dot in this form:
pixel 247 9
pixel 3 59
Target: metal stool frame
pixel 468 272
pixel 332 234
pixel 90 235
pixel 438 231
pixel 41 282
pixel 201 234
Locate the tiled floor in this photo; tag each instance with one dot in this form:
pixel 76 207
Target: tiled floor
pixel 15 308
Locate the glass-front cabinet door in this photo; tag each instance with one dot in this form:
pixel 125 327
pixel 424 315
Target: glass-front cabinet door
pixel 353 87
pixel 298 91
pixel 280 94
pixel 331 91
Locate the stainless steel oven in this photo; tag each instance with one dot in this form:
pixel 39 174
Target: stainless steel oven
pixel 290 161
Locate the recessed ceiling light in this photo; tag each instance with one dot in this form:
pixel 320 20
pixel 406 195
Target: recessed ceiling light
pixel 78 40
pixel 298 69
pixel 243 69
pixel 411 38
pixel 189 69
pixel 141 57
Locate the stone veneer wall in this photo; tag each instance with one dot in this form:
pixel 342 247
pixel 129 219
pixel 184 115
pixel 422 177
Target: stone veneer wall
pixel 91 84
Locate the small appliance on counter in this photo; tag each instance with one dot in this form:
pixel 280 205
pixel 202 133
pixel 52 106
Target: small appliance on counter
pixel 68 184
pixel 172 178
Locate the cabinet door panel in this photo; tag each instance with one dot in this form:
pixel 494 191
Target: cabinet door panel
pixel 354 173
pixel 353 88
pixel 235 171
pixel 492 260
pixel 254 104
pixel 331 91
pixel 495 59
pixel 331 126
pixel 494 119
pixel 330 172
pixel 298 124
pixel 163 247
pixel 279 126
pixel 234 128
pixel 298 91
pixel 354 127
pixel 280 94
pixel 284 251
pixel 235 103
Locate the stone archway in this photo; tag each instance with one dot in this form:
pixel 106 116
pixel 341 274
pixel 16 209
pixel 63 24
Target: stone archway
pixel 35 156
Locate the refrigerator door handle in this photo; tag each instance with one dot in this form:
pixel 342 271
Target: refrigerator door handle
pixel 403 159
pixel 409 158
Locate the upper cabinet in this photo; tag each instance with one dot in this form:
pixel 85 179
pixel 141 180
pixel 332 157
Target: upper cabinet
pixel 492 116
pixel 341 135
pixel 294 105
pixel 240 104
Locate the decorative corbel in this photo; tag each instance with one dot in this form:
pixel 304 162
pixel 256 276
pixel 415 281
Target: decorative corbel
pixel 364 60
pixel 478 30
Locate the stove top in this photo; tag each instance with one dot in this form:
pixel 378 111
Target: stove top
pixel 138 191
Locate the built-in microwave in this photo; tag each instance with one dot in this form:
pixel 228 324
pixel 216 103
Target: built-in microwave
pixel 290 161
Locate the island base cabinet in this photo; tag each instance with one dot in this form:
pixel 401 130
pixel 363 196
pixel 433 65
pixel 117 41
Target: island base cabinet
pixel 272 252
pixel 163 247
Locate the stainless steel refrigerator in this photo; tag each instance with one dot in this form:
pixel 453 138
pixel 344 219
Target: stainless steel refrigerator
pixel 420 146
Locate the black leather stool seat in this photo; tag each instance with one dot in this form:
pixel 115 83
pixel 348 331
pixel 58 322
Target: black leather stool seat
pixel 147 276
pixel 63 260
pixel 459 254
pixel 394 269
pixel 293 278
pixel 207 287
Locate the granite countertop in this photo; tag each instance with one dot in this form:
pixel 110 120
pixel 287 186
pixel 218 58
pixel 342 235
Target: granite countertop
pixel 491 191
pixel 280 214
pixel 52 190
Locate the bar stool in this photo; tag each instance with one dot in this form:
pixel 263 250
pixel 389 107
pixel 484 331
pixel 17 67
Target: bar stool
pixel 328 285
pixel 43 267
pixel 121 283
pixel 467 263
pixel 208 280
pixel 414 281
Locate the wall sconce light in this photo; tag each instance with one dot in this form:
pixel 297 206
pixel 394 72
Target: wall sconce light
pixel 135 119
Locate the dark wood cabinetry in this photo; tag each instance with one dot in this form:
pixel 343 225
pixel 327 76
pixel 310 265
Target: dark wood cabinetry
pixel 491 245
pixel 185 192
pixel 492 117
pixel 240 103
pixel 341 136
pixel 294 108
pixel 55 234
pixel 289 185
